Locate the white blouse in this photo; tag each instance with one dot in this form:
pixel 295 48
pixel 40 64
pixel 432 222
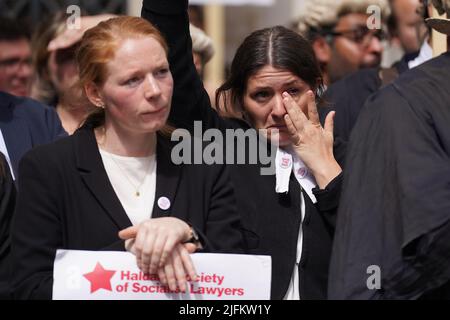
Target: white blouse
pixel 130 176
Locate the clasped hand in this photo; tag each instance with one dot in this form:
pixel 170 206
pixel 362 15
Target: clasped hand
pixel 160 248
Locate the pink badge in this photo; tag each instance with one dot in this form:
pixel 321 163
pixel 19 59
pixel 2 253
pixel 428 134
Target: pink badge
pixel 302 172
pixel 285 162
pixel 163 203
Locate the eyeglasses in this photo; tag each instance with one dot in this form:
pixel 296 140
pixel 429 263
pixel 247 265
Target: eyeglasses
pixel 14 64
pixel 361 35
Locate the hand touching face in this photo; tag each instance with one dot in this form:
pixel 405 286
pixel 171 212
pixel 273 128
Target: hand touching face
pixel 263 100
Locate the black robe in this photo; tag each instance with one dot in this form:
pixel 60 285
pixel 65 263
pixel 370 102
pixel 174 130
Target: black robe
pixel 395 207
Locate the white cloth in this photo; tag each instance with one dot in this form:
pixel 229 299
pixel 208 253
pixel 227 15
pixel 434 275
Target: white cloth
pixel 142 174
pixel 285 162
pixel 425 54
pixel 4 150
pixel 293 292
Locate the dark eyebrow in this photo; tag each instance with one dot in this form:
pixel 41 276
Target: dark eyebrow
pixel 293 82
pixel 262 88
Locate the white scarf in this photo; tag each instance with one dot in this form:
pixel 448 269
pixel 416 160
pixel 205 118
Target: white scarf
pixel 287 160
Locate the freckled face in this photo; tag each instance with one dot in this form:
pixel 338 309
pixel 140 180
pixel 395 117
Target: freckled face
pixel 138 89
pixel 263 100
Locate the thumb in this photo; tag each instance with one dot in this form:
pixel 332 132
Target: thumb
pixel 190 247
pixel 128 233
pixel 329 122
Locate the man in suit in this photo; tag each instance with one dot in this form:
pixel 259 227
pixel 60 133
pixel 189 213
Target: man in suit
pixel 348 95
pixel 24 124
pixel 340 36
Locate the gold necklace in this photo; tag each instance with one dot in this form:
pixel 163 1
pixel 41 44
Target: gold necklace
pixel 137 188
pixel 111 156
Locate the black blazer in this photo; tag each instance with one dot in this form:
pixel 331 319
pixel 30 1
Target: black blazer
pixel 26 123
pixel 271 221
pixel 66 201
pixel 7 202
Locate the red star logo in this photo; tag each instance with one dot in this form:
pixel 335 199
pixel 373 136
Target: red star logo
pixel 100 278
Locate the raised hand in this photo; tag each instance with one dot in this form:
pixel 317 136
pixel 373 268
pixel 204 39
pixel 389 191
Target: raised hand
pixel 69 37
pixel 312 142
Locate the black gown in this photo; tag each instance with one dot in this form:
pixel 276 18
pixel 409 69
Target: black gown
pixel 395 207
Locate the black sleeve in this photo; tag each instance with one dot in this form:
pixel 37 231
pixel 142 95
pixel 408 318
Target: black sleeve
pixel 116 246
pixel 7 202
pixel 427 272
pixel 223 229
pixel 190 101
pixel 328 200
pixel 36 230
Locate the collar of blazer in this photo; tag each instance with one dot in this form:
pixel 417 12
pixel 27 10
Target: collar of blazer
pixel 93 173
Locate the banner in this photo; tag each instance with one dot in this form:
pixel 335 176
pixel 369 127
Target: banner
pixel 106 275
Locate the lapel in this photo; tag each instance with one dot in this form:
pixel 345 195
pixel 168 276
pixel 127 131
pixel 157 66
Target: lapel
pixel 16 133
pixel 90 166
pixel 167 178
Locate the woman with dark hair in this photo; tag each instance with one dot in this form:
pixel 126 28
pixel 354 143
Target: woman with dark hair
pixel 7 202
pixel 274 79
pixel 112 185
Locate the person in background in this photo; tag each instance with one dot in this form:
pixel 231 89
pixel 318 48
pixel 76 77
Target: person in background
pixel 202 53
pixel 112 185
pixel 407 27
pixel 339 34
pixel 7 203
pixel 202 48
pixel 56 80
pixel 196 16
pixel 15 58
pixel 347 96
pixel 25 124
